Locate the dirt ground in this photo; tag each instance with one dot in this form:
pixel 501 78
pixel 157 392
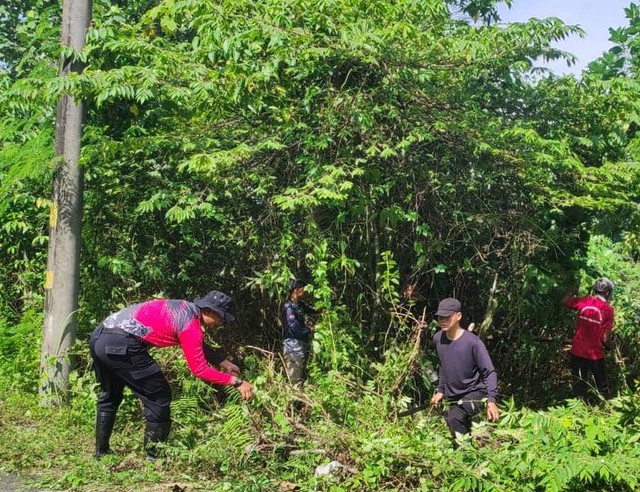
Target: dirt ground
pixel 10 483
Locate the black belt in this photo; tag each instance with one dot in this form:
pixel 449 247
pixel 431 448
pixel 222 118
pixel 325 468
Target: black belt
pixel 114 329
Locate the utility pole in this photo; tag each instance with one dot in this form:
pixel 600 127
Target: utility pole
pixel 65 223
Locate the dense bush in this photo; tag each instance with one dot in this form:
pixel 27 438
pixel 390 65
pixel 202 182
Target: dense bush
pixel 358 144
pixel 277 441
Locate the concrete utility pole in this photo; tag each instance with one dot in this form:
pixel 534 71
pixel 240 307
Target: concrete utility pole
pixel 61 283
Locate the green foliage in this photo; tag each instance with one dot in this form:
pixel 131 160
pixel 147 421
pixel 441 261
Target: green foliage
pixel 19 357
pixel 284 434
pixel 235 144
pixel 355 128
pixel 608 259
pixel 622 59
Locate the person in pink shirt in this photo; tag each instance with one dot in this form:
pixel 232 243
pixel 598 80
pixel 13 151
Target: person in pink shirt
pixel 593 330
pixel 120 351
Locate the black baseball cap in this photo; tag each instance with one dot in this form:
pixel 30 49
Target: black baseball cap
pixel 219 302
pixel 448 306
pixel 296 283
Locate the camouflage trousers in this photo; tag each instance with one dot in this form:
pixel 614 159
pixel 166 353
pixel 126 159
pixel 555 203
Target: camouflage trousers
pixel 295 354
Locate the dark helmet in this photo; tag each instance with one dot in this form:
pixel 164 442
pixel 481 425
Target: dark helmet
pixel 604 287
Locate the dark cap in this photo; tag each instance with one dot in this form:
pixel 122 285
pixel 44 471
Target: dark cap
pixel 296 283
pixel 448 306
pixel 219 302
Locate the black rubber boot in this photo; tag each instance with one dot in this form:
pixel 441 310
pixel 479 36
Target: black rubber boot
pixel 154 434
pixel 104 427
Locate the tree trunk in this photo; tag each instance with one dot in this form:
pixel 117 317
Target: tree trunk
pixel 61 284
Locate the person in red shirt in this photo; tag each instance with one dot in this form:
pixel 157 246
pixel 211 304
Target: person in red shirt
pixel 120 351
pixel 593 330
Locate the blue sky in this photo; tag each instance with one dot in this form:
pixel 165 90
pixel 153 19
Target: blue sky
pixel 594 16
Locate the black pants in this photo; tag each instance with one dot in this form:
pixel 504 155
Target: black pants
pixel 120 360
pixel 580 369
pixel 462 410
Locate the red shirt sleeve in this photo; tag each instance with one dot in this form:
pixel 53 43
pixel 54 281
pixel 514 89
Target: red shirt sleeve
pixel 192 341
pixel 573 302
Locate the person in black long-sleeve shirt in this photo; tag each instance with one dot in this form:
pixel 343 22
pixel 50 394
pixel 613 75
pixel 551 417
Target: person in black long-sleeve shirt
pixel 467 376
pixel 296 332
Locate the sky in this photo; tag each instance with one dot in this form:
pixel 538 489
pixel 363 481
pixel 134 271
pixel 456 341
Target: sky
pixel 594 16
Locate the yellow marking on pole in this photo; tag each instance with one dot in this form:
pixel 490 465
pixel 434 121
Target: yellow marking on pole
pixel 48 282
pixel 53 218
